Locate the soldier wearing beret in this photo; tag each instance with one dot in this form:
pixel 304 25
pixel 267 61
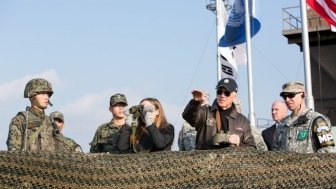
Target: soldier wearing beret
pixel 106 138
pixel 304 130
pixel 219 125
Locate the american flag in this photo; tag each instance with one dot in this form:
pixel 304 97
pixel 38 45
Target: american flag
pixel 326 9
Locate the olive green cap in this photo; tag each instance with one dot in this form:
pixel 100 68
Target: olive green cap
pixel 118 98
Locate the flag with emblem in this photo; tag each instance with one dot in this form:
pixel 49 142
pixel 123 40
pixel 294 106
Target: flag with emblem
pixel 235 26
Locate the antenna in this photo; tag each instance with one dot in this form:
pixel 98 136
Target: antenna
pixel 211 5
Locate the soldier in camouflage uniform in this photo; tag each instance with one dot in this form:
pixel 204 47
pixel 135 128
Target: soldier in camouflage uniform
pixel 107 135
pixel 187 137
pixel 304 131
pixel 31 130
pixel 57 118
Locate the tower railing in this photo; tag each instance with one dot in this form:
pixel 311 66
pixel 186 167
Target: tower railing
pixel 291 20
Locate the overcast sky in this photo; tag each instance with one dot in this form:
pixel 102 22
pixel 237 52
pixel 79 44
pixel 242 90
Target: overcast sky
pixel 90 50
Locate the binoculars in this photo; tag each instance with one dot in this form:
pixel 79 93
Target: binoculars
pixel 219 138
pixel 135 111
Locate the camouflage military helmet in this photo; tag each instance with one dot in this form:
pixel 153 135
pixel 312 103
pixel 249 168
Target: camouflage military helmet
pixel 118 98
pixel 37 85
pixel 57 115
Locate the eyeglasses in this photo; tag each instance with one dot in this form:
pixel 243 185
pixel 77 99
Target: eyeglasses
pixel 289 95
pixel 226 93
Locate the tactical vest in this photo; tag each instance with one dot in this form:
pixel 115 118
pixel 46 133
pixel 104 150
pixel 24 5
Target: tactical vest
pixel 38 134
pixel 105 139
pixel 297 135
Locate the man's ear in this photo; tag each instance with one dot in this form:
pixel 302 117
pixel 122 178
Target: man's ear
pixel 234 94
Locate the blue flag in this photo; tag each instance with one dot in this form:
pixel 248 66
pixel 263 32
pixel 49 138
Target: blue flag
pixel 235 27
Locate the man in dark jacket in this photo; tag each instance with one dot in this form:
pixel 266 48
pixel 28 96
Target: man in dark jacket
pixel 219 125
pixel 279 112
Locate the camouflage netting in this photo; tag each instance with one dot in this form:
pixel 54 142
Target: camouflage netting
pixel 229 168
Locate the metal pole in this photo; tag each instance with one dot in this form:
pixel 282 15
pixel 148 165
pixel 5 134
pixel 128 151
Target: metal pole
pixel 249 63
pixel 218 37
pixel 306 55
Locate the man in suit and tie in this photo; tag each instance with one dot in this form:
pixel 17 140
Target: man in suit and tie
pixel 279 112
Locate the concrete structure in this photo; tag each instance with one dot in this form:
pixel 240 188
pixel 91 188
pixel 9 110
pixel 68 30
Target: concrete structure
pixel 322 42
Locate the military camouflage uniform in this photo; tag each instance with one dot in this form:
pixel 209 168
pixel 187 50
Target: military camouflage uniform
pixel 107 135
pixel 333 131
pixel 105 139
pixel 308 133
pixel 63 142
pixel 73 146
pixel 36 119
pixel 187 137
pixel 67 144
pixel 32 130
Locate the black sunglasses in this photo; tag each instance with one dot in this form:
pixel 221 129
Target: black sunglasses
pixel 289 95
pixel 221 91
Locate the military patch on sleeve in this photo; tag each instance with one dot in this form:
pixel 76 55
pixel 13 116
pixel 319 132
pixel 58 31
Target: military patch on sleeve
pixel 323 132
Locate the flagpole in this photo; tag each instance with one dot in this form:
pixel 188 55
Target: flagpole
pixel 218 37
pixel 306 55
pixel 249 64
